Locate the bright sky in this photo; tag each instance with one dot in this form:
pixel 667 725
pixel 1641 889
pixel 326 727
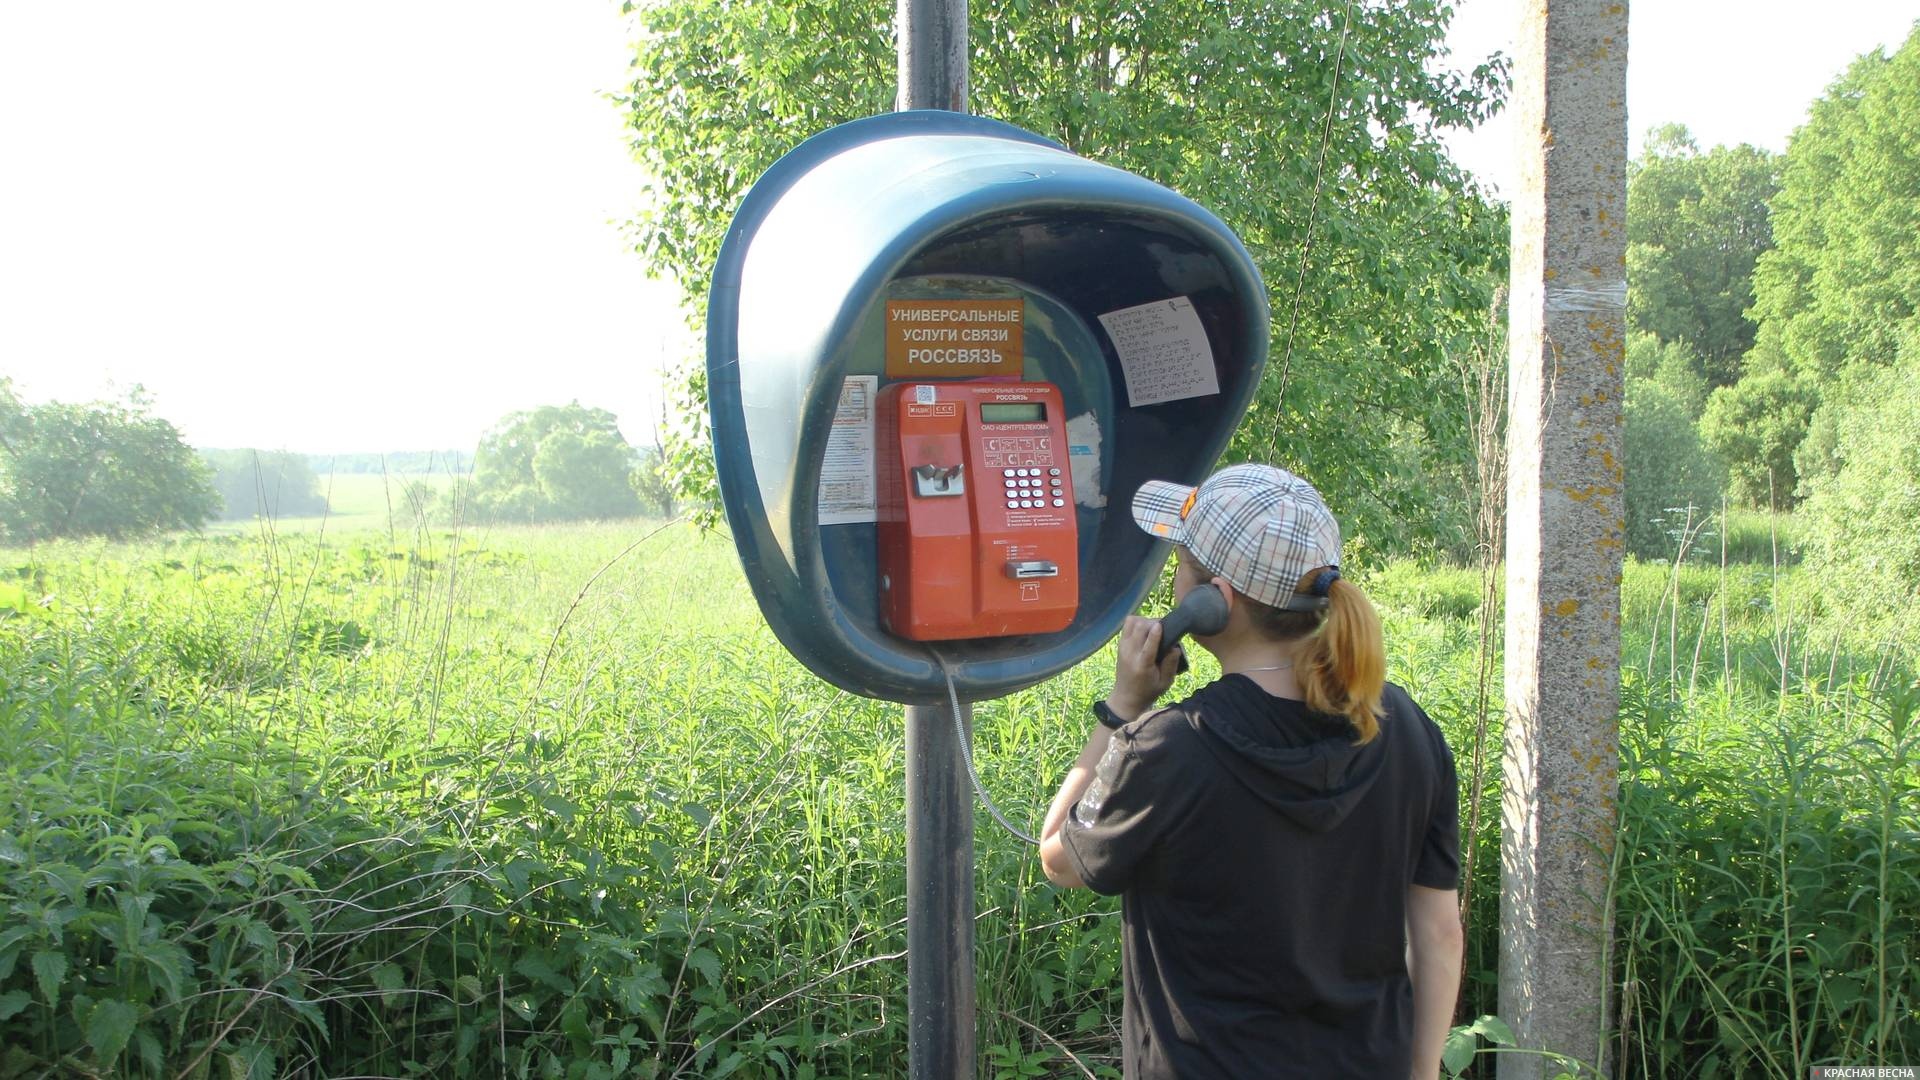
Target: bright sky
pixel 383 224
pixel 1732 71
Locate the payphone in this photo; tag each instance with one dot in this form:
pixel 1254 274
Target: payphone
pixel 976 521
pixel 914 320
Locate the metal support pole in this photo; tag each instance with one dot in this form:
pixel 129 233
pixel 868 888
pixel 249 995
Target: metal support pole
pixel 933 54
pixel 940 1007
pixel 1564 529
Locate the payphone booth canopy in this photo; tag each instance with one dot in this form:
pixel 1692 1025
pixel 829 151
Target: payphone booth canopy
pixel 930 205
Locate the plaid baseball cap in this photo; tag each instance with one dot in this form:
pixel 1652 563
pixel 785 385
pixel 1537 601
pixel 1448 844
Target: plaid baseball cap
pixel 1259 527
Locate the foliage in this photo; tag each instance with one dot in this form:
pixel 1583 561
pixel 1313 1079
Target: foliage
pixel 1860 520
pixel 442 462
pixel 1228 104
pixel 651 484
pixel 555 463
pixel 1762 537
pixel 254 483
pixel 1845 273
pixel 1673 482
pixel 1696 223
pixel 423 808
pixel 1835 296
pixel 1767 902
pixel 101 469
pixel 1673 365
pixel 1755 425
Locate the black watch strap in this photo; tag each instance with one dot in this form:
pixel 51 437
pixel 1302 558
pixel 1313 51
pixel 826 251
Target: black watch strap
pixel 1106 716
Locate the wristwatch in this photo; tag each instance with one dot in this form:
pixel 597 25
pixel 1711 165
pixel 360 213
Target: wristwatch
pixel 1106 716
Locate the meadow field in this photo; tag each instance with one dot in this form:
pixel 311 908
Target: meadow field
pixel 356 502
pixel 390 799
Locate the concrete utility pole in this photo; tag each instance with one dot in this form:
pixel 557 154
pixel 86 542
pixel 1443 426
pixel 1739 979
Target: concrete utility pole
pixel 940 1003
pixel 1567 337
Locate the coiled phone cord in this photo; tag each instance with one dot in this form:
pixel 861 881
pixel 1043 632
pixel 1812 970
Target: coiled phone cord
pixel 966 750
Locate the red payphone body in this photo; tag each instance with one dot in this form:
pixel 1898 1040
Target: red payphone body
pixel 977 526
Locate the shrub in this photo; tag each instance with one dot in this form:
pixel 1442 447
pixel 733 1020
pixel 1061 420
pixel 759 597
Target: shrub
pixel 254 483
pixel 1755 425
pixel 1762 537
pixel 1673 482
pixel 1673 365
pixel 1860 521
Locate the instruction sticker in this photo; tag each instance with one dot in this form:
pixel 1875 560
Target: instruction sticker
pixel 955 339
pixel 846 476
pixel 1163 351
pixel 1083 460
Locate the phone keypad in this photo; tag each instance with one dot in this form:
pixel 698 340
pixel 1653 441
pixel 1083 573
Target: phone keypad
pixel 1029 478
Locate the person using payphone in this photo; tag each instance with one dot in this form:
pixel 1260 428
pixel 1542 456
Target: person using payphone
pixel 1285 840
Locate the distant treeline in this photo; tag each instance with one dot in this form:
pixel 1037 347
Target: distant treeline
pixel 439 462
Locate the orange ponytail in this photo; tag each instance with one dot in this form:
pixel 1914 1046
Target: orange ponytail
pixel 1342 667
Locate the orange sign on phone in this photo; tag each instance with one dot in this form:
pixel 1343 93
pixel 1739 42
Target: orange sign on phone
pixel 954 339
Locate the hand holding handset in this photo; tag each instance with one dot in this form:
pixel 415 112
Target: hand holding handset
pixel 1203 611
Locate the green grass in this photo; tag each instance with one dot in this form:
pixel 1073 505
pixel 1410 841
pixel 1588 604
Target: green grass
pixel 403 800
pixel 356 502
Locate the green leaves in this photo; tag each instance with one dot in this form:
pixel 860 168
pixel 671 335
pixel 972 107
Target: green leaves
pixel 558 463
pixel 650 870
pixel 1463 1042
pixel 706 963
pixel 1696 225
pixel 49 970
pixel 1390 251
pixel 102 469
pixel 109 1026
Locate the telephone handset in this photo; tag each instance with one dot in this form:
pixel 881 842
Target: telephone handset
pixel 978 532
pixel 1203 611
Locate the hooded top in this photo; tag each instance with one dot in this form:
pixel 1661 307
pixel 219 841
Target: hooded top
pixel 1263 859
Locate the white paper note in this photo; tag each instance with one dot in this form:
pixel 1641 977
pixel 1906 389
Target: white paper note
pixel 846 476
pixel 1163 350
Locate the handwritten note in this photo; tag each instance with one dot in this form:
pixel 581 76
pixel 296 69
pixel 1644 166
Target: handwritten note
pixel 846 476
pixel 1163 351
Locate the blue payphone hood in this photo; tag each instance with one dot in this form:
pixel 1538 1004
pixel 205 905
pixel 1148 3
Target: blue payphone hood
pixel 928 199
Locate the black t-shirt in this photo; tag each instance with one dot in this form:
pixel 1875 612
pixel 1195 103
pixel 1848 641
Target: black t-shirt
pixel 1263 860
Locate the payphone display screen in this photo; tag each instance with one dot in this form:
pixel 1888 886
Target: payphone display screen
pixel 1029 412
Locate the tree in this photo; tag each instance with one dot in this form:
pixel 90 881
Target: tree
pixel 1696 224
pixel 1755 425
pixel 1844 274
pixel 555 463
pixel 273 483
pixel 1862 544
pixel 1839 288
pixel 1674 365
pixel 1226 103
pixel 101 469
